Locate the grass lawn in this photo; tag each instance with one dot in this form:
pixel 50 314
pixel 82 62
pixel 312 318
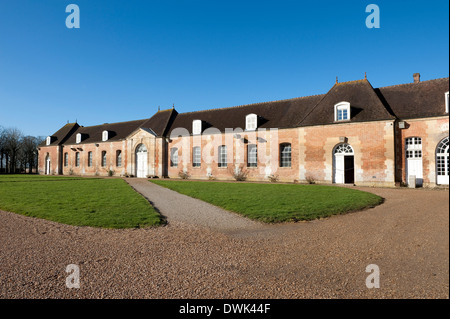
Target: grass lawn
pixel 276 202
pixel 96 202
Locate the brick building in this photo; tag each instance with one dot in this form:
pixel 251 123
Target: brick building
pixel 353 134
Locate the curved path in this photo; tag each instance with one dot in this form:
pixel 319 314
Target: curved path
pixel 176 207
pixel 407 237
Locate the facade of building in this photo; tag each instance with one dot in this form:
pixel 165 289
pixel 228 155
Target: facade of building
pixel 353 134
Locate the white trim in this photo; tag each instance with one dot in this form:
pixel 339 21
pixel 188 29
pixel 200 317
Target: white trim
pixel 105 136
pixel 196 127
pixel 446 102
pixel 342 106
pixel 78 141
pixel 251 122
pixel 49 140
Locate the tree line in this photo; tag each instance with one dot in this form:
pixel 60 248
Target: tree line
pixel 18 152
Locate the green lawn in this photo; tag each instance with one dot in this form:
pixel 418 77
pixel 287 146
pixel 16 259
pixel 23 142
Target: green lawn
pixel 107 203
pixel 276 202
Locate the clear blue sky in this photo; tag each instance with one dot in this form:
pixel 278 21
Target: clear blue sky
pixel 129 57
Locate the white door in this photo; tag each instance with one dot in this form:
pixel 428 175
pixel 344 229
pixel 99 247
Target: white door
pixel 442 162
pixel 339 169
pixel 340 152
pixel 414 165
pixel 141 161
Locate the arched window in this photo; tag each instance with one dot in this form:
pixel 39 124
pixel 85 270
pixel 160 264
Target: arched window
pixel 442 162
pixel 103 158
pixel 285 155
pixel 77 159
pixel 344 149
pixel 119 158
pixel 252 155
pixel 174 157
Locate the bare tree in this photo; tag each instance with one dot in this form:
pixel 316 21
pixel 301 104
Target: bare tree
pixel 12 138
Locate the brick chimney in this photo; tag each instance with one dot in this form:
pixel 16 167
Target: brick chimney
pixel 416 77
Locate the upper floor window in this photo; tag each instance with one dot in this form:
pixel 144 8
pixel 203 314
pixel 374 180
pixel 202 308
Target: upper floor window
pixel 78 138
pixel 446 102
pixel 49 140
pixel 105 136
pixel 196 127
pixel 251 122
pixel 174 157
pixel 342 111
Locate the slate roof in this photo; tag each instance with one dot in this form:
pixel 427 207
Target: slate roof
pixel 405 101
pixel 417 100
pixel 365 104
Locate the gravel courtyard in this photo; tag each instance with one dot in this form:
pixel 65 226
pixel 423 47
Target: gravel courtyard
pixel 407 237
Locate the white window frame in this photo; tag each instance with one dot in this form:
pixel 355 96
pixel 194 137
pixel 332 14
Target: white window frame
pixel 49 140
pixel 196 127
pixel 251 122
pixel 196 156
pixel 174 157
pixel 446 101
pixel 342 106
pixel 223 159
pixel 252 155
pixel 78 141
pixel 105 136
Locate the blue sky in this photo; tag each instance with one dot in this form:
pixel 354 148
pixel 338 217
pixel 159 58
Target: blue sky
pixel 129 57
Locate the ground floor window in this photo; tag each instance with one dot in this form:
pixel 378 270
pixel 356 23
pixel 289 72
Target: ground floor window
pixel 174 157
pixel 196 156
pixel 119 158
pixel 222 156
pixel 77 159
pixel 285 155
pixel 66 159
pixel 252 156
pixel 89 159
pixel 103 158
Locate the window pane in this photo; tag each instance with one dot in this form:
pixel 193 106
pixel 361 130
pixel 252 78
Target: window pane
pixel 174 157
pixel 196 157
pixel 222 156
pixel 252 156
pixel 285 155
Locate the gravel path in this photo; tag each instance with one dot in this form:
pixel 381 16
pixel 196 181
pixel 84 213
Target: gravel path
pixel 407 237
pixel 178 207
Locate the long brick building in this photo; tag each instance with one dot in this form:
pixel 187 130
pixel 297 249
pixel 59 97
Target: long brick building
pixel 353 134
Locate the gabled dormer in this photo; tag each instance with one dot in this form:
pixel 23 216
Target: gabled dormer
pixel 49 140
pixel 79 138
pixel 196 127
pixel 105 136
pixel 342 111
pixel 251 122
pixel 447 102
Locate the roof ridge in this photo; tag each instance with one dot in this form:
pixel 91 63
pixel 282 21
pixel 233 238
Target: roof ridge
pixel 412 83
pixel 251 104
pixel 113 123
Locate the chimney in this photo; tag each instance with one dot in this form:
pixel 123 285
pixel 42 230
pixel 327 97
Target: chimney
pixel 416 77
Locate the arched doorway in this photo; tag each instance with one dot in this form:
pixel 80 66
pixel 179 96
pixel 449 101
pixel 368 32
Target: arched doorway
pixel 48 166
pixel 442 162
pixel 141 161
pixel 344 164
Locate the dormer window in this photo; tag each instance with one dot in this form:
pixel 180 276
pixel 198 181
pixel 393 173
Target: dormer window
pixel 105 136
pixel 251 122
pixel 446 102
pixel 78 138
pixel 196 127
pixel 342 111
pixel 48 141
